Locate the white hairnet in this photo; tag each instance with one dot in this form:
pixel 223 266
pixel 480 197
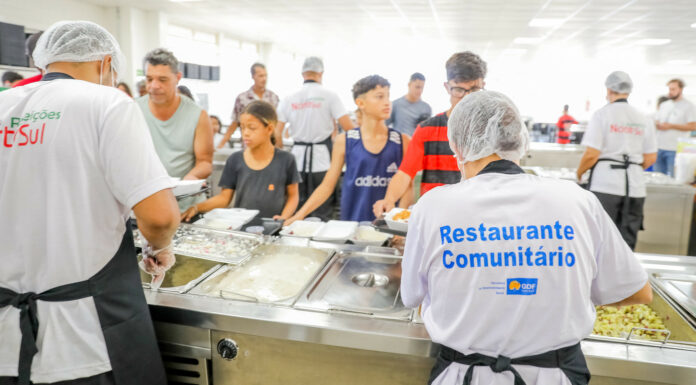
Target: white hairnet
pixel 485 123
pixel 619 81
pixel 77 42
pixel 313 64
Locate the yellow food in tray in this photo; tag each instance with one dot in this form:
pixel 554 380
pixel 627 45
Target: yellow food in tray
pixel 618 322
pixel 402 216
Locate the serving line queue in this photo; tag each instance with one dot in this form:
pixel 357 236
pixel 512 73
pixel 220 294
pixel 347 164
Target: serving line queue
pixel 83 268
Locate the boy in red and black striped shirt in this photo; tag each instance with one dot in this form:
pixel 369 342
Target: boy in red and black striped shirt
pixel 429 149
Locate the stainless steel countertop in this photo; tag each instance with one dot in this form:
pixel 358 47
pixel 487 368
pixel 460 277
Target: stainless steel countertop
pixel 648 361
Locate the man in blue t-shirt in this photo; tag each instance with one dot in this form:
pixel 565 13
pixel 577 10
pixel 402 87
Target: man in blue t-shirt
pixel 410 109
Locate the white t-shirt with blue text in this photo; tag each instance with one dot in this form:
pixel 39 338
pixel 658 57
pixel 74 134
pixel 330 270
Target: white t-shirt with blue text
pixel 513 265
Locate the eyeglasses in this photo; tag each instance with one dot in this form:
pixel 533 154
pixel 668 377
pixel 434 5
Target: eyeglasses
pixel 460 92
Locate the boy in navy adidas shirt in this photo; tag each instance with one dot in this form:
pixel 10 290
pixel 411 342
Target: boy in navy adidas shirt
pixel 371 153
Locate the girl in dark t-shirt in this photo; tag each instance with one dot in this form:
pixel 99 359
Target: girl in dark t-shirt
pixel 262 177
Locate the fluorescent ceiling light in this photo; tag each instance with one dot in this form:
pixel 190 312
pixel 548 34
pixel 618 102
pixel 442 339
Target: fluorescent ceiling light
pixel 654 41
pixel 693 25
pixel 679 62
pixel 543 23
pixel 528 40
pixel 514 51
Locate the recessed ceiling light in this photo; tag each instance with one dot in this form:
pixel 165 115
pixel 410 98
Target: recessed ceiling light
pixel 653 41
pixel 514 51
pixel 679 62
pixel 528 40
pixel 543 23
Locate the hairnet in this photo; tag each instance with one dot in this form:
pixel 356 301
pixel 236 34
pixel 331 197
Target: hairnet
pixel 77 42
pixel 313 64
pixel 619 81
pixel 485 123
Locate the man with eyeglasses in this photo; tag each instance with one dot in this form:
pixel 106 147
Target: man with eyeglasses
pixel 429 149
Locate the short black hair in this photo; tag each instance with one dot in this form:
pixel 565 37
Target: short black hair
pixel 465 67
pixel 565 107
pixel 417 76
pixel 255 66
pixel 161 56
pixel 11 76
pixel 367 84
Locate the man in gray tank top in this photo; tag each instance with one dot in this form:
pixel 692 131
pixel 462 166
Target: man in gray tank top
pixel 180 129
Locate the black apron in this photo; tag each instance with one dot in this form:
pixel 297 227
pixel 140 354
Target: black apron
pixel 569 359
pixel 123 314
pixel 308 162
pixel 622 165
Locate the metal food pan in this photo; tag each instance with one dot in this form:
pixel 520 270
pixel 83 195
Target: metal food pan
pixel 184 275
pixel 265 266
pixel 358 283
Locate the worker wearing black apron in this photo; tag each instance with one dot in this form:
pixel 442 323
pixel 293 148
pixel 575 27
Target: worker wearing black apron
pixel 312 113
pixel 71 299
pixel 507 266
pixel 620 142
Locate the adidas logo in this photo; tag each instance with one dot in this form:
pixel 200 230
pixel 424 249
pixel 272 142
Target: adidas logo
pixel 393 168
pixel 372 181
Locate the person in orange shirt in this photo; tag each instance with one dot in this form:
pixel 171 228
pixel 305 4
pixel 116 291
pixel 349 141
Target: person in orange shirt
pixel 563 125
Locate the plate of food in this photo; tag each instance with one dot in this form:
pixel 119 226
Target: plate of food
pixel 397 219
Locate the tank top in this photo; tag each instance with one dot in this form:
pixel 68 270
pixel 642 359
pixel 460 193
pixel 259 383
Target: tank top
pixel 367 175
pixel 173 138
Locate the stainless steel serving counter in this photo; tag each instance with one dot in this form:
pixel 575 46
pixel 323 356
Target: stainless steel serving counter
pixel 667 211
pixel 279 343
pixel 552 155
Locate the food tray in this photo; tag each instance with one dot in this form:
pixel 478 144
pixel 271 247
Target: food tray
pixel 187 187
pixel 369 236
pixel 216 245
pixel 274 274
pixel 220 224
pixel 184 275
pixel 395 225
pixel 336 231
pixel 234 214
pixel 302 229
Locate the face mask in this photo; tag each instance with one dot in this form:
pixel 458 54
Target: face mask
pixel 101 73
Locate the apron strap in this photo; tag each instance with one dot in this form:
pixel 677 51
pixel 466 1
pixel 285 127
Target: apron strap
pixel 569 359
pixel 308 164
pixel 29 321
pixel 621 165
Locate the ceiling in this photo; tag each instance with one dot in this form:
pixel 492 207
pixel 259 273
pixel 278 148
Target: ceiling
pixel 490 27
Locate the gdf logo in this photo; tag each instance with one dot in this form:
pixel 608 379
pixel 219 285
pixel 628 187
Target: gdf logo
pixel 521 286
pixel 372 181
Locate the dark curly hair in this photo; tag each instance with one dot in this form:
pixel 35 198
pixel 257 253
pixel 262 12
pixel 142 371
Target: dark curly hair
pixel 367 84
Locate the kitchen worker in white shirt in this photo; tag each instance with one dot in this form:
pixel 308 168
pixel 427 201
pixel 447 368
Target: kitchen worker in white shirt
pixel 675 119
pixel 620 143
pixel 312 113
pixel 76 159
pixel 509 266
